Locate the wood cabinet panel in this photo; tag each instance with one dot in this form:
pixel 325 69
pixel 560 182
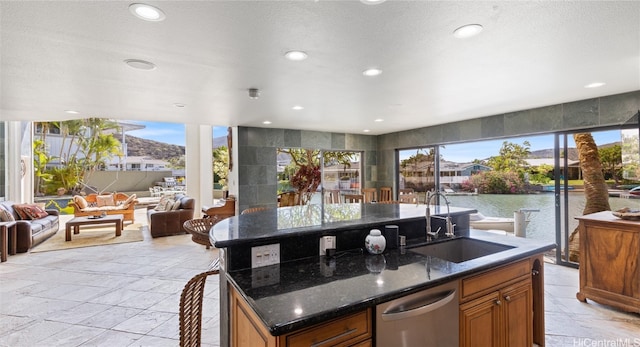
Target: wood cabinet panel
pixel 366 343
pixel 488 281
pixel 610 261
pixel 480 322
pixel 246 329
pixel 340 332
pixel 518 314
pixel 502 317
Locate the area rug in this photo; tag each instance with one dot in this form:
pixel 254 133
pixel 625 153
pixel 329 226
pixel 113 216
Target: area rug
pixel 91 236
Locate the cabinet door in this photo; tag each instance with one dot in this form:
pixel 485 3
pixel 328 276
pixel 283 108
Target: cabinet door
pixel 480 321
pixel 518 314
pixel 246 329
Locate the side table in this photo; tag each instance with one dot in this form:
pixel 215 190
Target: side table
pixel 7 231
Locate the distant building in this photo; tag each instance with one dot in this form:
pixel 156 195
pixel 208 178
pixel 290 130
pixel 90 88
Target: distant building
pixel 453 174
pixel 138 163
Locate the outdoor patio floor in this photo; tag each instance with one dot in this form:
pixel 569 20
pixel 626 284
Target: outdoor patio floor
pixel 128 295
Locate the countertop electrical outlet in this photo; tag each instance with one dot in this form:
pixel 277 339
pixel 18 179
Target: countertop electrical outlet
pixel 265 255
pixel 327 242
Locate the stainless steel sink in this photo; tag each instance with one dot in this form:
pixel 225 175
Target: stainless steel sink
pixel 461 249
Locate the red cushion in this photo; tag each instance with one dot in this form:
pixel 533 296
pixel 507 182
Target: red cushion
pixel 29 211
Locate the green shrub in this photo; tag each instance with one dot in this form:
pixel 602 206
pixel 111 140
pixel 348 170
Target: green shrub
pixel 495 182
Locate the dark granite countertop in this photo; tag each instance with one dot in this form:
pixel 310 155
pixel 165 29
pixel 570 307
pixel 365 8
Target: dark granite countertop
pixel 275 223
pixel 304 292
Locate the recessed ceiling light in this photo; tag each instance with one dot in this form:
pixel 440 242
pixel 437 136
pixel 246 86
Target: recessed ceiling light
pixel 147 12
pixel 595 85
pixel 296 55
pixel 372 72
pixel 378 120
pixel 179 105
pixel 140 64
pixel 266 122
pixel 467 31
pixel 71 112
pixel 372 2
pixel 254 93
pixel 298 107
pixel 366 130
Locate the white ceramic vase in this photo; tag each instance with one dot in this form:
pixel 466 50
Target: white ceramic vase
pixel 375 243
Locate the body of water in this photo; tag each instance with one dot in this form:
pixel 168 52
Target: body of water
pixel 542 224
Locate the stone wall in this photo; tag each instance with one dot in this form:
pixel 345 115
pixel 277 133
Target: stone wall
pixel 606 111
pixel 257 147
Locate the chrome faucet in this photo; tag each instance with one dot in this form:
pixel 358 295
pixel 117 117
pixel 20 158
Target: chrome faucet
pixel 450 232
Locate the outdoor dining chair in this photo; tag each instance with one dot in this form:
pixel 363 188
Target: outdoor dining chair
pixel 385 194
pixel 353 198
pixel 370 194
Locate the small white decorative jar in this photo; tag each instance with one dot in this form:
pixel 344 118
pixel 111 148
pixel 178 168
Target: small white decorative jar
pixel 375 243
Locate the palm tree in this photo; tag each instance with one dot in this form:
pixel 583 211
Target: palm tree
pixel 595 187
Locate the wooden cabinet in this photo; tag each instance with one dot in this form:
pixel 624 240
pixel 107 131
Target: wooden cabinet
pixel 247 330
pixel 610 261
pixel 497 307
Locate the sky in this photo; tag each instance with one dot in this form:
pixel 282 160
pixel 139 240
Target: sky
pixel 171 133
pixel 174 133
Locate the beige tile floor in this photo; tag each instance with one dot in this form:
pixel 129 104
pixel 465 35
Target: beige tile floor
pixel 128 295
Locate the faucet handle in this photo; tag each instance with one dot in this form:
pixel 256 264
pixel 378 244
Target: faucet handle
pixel 451 228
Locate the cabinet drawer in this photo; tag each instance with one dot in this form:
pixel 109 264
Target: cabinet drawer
pixel 488 281
pixel 340 332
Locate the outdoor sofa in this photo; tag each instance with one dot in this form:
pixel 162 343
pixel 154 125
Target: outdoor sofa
pixel 94 204
pixel 31 230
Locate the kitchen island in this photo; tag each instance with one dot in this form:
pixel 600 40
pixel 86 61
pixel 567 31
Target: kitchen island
pixel 297 298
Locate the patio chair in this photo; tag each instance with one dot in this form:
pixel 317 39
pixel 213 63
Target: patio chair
pixel 370 194
pixel 332 196
pixel 191 310
pixel 288 199
pixel 353 198
pixel 385 194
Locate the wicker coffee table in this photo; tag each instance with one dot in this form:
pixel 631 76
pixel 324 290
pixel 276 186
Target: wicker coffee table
pixel 75 223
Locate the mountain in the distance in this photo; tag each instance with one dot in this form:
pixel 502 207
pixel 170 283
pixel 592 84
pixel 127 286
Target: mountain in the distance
pixel 572 152
pixel 137 146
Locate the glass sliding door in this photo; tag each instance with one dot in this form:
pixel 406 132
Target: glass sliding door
pixel 585 183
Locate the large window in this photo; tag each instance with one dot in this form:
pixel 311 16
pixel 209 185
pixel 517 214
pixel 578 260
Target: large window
pixel 310 172
pixel 500 177
pixel 417 171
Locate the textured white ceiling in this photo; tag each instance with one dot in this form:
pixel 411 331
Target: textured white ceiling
pixel 57 56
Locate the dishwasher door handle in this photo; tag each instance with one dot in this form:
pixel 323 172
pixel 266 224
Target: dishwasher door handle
pixel 431 306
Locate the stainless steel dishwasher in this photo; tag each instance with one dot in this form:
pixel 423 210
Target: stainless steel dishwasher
pixel 423 319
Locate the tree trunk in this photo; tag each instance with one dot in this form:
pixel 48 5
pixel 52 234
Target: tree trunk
pixel 595 187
